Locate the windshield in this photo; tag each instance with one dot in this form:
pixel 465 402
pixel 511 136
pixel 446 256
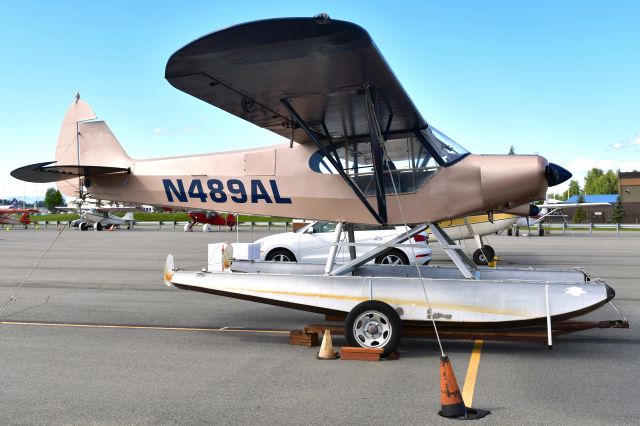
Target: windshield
pixel 444 146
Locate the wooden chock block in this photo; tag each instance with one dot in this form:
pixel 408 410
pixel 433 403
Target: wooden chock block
pixel 330 318
pixel 300 338
pixel 361 354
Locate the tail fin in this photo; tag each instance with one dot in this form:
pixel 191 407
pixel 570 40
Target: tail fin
pixel 87 143
pixel 128 216
pixel 25 218
pixel 85 149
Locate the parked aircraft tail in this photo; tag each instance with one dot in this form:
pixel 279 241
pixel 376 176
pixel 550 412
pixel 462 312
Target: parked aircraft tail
pixel 128 217
pixel 86 147
pixel 25 218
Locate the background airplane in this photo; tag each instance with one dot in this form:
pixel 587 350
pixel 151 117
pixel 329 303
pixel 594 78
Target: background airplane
pixel 101 217
pixel 14 216
pixel 209 218
pixel 478 226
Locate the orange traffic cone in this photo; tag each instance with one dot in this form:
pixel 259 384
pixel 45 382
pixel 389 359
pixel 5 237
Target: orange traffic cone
pixel 326 348
pixel 451 401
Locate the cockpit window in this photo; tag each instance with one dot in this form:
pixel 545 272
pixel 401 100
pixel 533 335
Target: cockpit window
pixel 408 161
pixel 444 146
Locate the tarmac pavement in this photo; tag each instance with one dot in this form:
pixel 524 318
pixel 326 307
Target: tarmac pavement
pixel 211 372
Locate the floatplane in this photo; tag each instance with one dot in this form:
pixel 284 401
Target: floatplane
pixel 359 152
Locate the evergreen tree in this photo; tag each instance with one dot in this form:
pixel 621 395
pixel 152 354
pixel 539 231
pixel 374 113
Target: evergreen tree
pixel 579 216
pixel 618 212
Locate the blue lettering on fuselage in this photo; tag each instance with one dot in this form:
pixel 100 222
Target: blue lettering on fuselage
pixel 219 192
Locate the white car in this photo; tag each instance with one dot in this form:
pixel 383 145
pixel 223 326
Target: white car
pixel 311 244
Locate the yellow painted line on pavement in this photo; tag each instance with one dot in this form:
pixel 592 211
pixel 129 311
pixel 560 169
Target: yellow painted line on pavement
pixel 145 327
pixel 472 373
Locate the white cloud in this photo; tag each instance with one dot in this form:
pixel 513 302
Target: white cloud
pixel 617 145
pixel 636 141
pixel 159 130
pixel 582 165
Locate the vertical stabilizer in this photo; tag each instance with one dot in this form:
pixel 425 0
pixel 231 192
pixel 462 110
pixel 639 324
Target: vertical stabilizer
pixel 87 142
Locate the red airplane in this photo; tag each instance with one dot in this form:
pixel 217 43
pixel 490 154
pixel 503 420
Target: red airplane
pixel 208 218
pixel 8 215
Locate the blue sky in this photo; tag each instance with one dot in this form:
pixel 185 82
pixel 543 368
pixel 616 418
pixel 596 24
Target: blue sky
pixel 555 78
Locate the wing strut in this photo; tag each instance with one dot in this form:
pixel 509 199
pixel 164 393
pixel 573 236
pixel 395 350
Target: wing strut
pixel 296 117
pixel 376 154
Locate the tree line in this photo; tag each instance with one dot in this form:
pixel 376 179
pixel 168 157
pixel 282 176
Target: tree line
pixel 596 181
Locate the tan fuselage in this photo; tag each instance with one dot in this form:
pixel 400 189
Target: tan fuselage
pixel 278 181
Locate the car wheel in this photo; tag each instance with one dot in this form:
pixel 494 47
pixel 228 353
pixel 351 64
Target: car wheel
pixel 373 324
pixel 280 255
pixel 394 257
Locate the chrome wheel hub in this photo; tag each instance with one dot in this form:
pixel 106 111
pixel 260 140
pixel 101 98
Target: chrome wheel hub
pixel 372 329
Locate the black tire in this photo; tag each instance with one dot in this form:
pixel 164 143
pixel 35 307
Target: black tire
pixel 83 226
pixel 98 226
pixel 281 255
pixel 509 232
pixel 489 252
pixel 517 232
pixel 541 232
pixel 385 331
pixel 479 258
pixel 393 257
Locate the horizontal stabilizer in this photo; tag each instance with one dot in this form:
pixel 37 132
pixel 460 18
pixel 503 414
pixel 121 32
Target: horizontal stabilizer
pixel 44 172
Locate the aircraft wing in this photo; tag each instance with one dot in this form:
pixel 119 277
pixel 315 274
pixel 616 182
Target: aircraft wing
pixel 67 209
pixel 16 211
pixel 117 209
pixel 320 66
pixel 563 205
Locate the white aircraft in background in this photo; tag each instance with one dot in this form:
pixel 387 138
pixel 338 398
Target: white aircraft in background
pixel 479 226
pixel 101 217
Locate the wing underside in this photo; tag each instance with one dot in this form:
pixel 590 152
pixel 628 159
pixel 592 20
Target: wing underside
pixel 319 66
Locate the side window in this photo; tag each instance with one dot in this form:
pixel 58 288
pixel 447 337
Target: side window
pixel 407 163
pixel 321 227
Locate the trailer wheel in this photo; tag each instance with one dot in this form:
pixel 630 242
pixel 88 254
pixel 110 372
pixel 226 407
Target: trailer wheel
pixel 373 324
pixel 83 226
